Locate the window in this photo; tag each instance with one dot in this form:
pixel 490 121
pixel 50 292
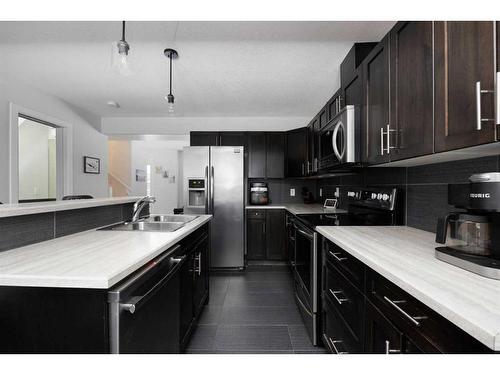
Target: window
pixel 37 160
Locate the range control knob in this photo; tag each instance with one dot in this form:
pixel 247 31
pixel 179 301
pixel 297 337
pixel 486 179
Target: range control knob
pixel 385 197
pixel 379 196
pixel 374 196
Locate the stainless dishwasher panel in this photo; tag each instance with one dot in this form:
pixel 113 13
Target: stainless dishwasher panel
pixel 144 309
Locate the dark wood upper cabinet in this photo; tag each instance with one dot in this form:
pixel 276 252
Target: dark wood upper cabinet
pixel 232 138
pixel 464 55
pixel 256 154
pixel 204 139
pixel 296 152
pixel 334 105
pixel 275 235
pixel 411 90
pixel 376 104
pixel 275 155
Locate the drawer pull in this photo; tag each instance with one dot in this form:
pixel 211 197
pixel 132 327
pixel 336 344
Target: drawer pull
pixel 388 350
pixel 336 256
pixel 340 301
pixel 334 346
pixel 413 319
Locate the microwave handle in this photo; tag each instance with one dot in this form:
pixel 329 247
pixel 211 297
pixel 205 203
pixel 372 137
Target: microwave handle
pixel 334 142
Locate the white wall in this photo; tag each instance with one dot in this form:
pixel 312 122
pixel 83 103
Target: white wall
pixel 157 154
pixel 183 125
pixel 87 141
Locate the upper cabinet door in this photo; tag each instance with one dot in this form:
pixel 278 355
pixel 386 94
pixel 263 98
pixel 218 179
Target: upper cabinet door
pixel 275 164
pixel 256 155
pixel 232 139
pixel 411 65
pixel 296 152
pixel 464 56
pixel 204 139
pixel 376 107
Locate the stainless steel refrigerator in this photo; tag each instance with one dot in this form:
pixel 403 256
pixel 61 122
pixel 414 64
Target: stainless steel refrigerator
pixel 213 183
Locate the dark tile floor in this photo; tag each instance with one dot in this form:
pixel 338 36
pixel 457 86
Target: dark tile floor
pixel 251 312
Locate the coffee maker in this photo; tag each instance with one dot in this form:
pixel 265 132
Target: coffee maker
pixel 471 236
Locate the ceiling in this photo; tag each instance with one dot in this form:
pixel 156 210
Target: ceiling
pixel 224 69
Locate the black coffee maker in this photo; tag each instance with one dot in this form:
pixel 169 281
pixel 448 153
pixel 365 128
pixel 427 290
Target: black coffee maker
pixel 471 236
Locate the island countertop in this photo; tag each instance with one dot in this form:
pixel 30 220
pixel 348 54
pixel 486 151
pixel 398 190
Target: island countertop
pixel 95 259
pixel 405 256
pixel 18 209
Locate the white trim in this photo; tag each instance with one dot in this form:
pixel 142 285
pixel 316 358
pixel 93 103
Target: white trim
pixel 64 148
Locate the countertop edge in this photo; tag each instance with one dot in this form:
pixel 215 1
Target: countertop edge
pixel 10 210
pixel 489 339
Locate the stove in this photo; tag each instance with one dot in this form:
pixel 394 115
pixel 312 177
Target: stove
pixel 369 206
pixel 377 206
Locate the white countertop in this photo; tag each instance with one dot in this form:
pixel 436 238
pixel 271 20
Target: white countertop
pixel 298 208
pixel 91 259
pixel 17 209
pixel 405 256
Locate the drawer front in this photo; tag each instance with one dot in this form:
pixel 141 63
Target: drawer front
pixel 348 301
pixel 337 336
pixel 348 265
pixel 256 214
pixel 427 329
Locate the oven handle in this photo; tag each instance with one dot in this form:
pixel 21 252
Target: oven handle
pixel 302 305
pixel 135 303
pixel 308 235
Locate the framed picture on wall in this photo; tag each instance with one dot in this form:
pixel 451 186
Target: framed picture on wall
pixel 91 165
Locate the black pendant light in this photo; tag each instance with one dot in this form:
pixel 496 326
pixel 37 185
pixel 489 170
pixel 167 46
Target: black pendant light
pixel 170 54
pixel 121 61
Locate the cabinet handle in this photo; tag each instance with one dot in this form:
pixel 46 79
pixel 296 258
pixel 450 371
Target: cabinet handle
pixel 382 141
pixel 302 166
pixel 264 228
pixel 388 350
pixel 198 259
pixel 413 319
pixel 387 133
pixel 334 346
pixel 340 301
pixel 497 99
pixel 335 255
pixel 479 119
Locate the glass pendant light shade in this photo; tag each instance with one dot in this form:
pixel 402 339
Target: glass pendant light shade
pixel 120 56
pixel 170 100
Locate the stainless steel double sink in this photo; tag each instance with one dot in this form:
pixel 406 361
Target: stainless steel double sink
pixel 154 223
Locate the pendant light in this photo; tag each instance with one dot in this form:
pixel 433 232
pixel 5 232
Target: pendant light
pixel 121 60
pixel 170 54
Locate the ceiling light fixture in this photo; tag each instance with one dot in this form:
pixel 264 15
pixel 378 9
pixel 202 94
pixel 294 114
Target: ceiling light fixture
pixel 113 104
pixel 170 54
pixel 121 61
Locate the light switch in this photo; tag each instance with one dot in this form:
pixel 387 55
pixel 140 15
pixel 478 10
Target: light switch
pixel 337 192
pixel 320 192
pixel 292 192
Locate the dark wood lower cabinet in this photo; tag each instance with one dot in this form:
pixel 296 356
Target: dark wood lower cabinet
pixel 391 320
pixel 74 320
pixel 266 235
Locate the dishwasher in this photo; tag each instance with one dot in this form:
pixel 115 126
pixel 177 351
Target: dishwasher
pixel 144 309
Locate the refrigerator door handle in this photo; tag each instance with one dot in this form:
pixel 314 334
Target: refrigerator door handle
pixel 212 191
pixel 206 191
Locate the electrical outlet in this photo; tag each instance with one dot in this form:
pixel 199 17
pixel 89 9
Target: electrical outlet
pixel 320 192
pixel 337 192
pixel 292 192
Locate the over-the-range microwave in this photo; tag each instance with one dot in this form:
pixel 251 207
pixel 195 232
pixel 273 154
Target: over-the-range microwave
pixel 339 141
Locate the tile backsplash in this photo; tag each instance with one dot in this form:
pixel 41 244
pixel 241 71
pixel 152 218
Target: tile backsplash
pixel 425 187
